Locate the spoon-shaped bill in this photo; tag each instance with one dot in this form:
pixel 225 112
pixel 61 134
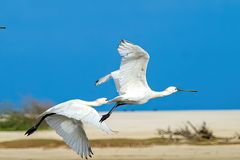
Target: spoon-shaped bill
pixel 182 90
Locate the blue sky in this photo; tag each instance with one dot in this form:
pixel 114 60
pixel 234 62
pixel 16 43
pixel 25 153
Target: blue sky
pixel 55 50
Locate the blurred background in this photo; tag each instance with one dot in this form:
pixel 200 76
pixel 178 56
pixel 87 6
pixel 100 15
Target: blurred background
pixel 53 51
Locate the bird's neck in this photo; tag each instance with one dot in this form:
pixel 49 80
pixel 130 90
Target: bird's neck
pixel 93 103
pixel 156 94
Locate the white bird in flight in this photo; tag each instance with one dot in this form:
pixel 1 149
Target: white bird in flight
pixel 130 79
pixel 67 120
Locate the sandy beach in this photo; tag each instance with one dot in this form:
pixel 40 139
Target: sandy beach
pixel 141 125
pixel 173 152
pixel 145 124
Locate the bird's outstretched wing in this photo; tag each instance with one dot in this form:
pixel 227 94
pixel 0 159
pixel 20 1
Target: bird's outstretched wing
pixel 68 123
pixel 77 110
pixel 72 132
pixel 132 73
pixel 131 77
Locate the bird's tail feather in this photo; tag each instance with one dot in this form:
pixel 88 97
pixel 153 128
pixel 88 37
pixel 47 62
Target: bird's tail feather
pixel 103 79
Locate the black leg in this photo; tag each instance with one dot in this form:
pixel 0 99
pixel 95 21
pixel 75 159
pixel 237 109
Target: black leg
pixel 35 127
pixel 106 116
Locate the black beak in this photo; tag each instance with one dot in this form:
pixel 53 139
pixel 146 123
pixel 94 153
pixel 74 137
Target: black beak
pixel 181 90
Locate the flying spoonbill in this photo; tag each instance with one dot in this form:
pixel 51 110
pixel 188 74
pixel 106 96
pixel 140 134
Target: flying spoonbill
pixel 67 120
pixel 130 79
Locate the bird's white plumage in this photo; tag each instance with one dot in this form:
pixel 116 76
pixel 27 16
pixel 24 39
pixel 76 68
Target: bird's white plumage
pixel 130 79
pixel 68 123
pixel 131 76
pixel 72 133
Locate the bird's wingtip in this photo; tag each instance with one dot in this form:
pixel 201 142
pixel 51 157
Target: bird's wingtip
pixel 90 150
pixel 124 41
pixel 97 82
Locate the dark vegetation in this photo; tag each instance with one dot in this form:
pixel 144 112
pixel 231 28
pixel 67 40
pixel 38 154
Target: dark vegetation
pixel 191 134
pixel 189 131
pixel 17 120
pixel 49 143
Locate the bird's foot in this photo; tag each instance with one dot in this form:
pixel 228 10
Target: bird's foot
pixel 104 117
pixel 31 131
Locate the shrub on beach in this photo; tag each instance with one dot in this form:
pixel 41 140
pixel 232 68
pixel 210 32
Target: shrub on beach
pixel 196 133
pixel 14 120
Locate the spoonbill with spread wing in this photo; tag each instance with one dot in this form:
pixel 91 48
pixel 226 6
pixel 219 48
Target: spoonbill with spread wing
pixel 67 120
pixel 130 80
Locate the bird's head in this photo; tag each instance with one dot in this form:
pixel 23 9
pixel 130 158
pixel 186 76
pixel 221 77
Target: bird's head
pixel 101 101
pixel 174 89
